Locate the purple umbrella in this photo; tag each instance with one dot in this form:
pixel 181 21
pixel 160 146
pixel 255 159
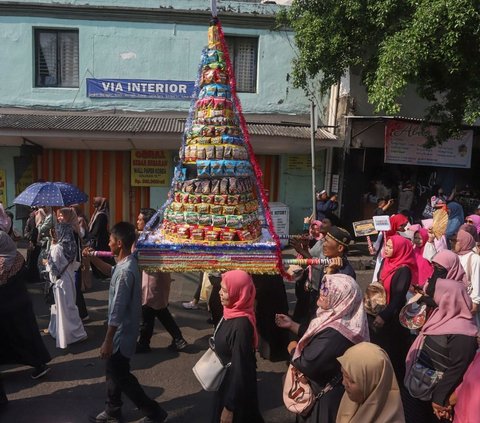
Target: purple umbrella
pixel 51 194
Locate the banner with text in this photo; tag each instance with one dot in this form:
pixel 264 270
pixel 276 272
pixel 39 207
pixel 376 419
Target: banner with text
pixel 140 88
pixel 404 145
pixel 150 168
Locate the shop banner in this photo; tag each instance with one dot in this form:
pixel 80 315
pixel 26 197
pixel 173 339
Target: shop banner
pixel 150 168
pixel 140 88
pixel 404 145
pixel 3 188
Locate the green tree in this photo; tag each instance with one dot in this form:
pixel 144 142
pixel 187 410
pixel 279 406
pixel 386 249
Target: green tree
pixel 433 44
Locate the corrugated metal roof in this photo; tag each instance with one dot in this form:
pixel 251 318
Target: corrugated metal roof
pixel 139 124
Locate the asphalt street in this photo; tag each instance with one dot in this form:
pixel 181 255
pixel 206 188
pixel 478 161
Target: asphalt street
pixel 75 386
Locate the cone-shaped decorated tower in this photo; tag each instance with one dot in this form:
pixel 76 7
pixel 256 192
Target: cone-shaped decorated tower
pixel 212 218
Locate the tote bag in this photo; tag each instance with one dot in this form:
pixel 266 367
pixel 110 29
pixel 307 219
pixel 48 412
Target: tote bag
pixel 210 370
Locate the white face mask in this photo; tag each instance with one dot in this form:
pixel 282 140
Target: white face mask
pixel 82 232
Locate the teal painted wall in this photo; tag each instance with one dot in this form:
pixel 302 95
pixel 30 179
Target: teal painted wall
pixel 296 188
pixel 6 163
pixel 132 50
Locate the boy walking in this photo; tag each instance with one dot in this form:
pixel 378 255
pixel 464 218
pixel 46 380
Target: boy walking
pixel 124 311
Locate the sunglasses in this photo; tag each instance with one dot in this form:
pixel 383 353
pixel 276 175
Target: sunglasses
pixel 469 221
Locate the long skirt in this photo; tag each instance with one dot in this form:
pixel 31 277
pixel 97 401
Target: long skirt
pixel 65 323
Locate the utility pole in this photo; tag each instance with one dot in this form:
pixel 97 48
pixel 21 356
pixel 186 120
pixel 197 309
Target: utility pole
pixel 312 153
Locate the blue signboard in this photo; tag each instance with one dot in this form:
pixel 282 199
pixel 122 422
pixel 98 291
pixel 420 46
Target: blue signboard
pixel 140 88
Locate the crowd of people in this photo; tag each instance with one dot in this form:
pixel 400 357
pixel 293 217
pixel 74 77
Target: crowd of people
pixel 361 360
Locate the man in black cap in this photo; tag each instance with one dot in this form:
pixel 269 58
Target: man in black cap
pixel 335 248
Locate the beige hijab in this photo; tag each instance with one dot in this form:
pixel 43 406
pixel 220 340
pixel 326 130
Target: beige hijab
pixel 369 367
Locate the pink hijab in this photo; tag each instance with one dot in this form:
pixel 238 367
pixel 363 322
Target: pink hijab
pixel 319 224
pixel 476 221
pixel 468 394
pixel 425 268
pixel 241 292
pixel 450 261
pixel 346 313
pixel 451 317
pixel 402 256
pixel 465 242
pixel 396 221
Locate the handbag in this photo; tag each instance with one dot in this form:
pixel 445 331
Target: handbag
pixel 210 370
pixel 375 298
pixel 421 380
pixel 413 315
pixel 298 395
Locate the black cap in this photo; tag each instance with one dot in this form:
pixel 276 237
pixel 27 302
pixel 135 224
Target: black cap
pixel 342 236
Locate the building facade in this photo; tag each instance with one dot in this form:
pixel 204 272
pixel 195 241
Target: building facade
pixel 89 85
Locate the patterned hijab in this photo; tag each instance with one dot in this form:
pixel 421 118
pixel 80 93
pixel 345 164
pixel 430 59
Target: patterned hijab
pixel 241 292
pixel 371 370
pixel 66 239
pixel 5 221
pixel 345 314
pixel 11 261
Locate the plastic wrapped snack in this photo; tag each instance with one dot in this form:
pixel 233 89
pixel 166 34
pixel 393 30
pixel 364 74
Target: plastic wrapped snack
pixel 233 221
pixel 205 219
pixel 203 208
pixel 229 167
pixel 215 186
pixel 203 168
pixel 227 235
pixel 212 235
pixel 219 152
pixel 216 168
pixel 197 234
pixel 208 199
pixel 191 218
pixel 189 207
pixel 224 186
pixel 218 220
pixel 216 208
pixel 183 232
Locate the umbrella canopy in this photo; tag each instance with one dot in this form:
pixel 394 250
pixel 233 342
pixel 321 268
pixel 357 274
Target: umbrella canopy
pixel 51 194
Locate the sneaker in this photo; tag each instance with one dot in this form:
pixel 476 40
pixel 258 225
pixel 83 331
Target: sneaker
pixel 191 305
pixel 178 344
pixel 103 417
pixel 142 348
pixel 159 417
pixel 40 371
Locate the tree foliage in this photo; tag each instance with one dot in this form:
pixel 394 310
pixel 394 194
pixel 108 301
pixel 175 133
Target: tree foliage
pixel 433 44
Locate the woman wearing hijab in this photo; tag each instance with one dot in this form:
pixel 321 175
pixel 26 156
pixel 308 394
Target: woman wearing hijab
pixel 67 215
pixel 398 223
pixel 425 269
pixel 98 230
pixel 468 394
pixel 46 222
pixel 463 244
pixel 474 219
pixel 455 219
pixel 65 323
pixel 371 388
pixel 397 272
pixel 340 323
pixel 235 342
pixel 447 343
pixel 21 342
pixel 98 226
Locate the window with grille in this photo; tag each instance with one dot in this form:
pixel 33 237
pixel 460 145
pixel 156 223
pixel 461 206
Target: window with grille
pixel 243 53
pixel 56 58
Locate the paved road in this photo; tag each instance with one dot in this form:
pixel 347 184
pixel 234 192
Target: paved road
pixel 75 386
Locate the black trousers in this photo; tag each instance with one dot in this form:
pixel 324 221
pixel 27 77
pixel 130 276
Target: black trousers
pixel 120 380
pixel 148 322
pixel 79 298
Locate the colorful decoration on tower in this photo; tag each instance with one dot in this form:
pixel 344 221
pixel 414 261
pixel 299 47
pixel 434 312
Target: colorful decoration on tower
pixel 212 218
